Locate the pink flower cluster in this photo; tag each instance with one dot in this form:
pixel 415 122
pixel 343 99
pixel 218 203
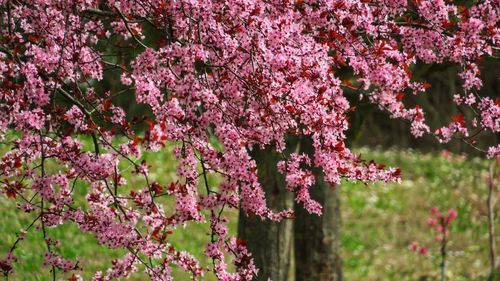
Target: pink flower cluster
pixel 301 179
pixel 415 247
pixel 55 260
pixel 440 223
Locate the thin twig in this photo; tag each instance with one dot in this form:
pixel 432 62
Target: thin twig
pixel 491 221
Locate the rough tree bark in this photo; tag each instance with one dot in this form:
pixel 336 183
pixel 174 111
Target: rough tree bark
pixel 317 238
pixel 269 242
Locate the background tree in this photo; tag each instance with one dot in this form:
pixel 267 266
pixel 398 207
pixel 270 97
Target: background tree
pixel 270 242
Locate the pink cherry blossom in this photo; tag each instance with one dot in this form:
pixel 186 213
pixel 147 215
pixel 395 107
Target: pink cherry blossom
pixel 218 80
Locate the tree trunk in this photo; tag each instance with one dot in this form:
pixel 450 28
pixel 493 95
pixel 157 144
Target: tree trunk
pixel 269 242
pixel 317 238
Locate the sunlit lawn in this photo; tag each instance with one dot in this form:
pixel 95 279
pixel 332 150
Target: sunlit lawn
pixel 379 221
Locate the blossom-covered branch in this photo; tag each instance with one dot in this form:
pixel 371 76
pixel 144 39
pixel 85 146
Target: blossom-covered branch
pixel 246 73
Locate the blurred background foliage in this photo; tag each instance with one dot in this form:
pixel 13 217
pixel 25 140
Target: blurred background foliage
pixel 372 127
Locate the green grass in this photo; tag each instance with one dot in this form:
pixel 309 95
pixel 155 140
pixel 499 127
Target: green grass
pixel 379 221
